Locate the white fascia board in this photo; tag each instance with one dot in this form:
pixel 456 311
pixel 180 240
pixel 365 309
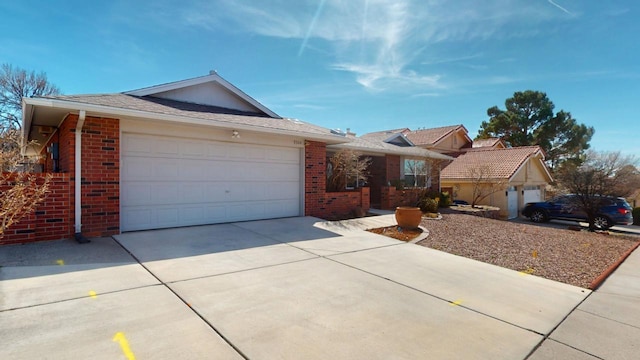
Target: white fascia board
pixel 119 112
pixel 27 113
pixel 201 80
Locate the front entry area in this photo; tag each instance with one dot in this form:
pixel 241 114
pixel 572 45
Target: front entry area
pixel 171 181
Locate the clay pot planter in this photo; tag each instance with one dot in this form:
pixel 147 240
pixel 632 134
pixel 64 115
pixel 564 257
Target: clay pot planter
pixel 408 217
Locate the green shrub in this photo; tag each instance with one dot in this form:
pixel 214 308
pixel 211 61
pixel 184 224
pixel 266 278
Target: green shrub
pixel 636 216
pixel 399 184
pixel 445 199
pixel 427 204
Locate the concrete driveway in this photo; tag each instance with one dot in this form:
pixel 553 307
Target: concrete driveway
pixel 295 288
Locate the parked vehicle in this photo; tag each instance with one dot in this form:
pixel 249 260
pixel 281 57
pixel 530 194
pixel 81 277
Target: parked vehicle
pixel 614 211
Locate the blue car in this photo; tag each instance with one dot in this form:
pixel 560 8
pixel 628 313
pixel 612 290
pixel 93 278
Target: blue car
pixel 614 211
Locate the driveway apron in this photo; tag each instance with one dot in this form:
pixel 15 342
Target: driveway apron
pixel 295 288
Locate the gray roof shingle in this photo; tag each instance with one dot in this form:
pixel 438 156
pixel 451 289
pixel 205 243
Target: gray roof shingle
pixel 155 105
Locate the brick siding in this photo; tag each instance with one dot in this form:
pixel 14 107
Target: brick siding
pixel 100 189
pixel 392 198
pixel 51 220
pixel 319 202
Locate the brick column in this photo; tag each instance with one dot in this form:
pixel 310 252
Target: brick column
pixel 315 177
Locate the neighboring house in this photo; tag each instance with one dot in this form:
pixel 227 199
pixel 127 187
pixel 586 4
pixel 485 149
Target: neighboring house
pixel 197 151
pixel 394 158
pixel 496 143
pixel 449 140
pixel 520 173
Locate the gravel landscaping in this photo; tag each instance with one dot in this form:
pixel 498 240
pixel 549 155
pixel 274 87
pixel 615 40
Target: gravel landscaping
pixel 571 257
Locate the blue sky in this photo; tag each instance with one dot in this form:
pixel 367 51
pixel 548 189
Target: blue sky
pixel 367 65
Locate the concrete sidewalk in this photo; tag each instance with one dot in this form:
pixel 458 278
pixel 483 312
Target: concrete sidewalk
pixel 287 288
pixel 606 325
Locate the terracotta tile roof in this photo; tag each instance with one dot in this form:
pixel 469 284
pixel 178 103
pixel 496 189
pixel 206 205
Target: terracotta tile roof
pixel 431 136
pixel 501 163
pixel 156 105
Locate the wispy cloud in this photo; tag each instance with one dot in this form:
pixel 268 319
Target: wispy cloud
pixel 559 7
pixel 383 43
pixel 311 26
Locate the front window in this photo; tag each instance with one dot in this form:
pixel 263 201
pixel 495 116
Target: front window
pixel 417 173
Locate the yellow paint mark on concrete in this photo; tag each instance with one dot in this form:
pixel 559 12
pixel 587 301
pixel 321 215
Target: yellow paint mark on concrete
pixel 456 303
pixel 93 294
pixel 60 262
pixel 124 345
pixel 529 271
pixel 535 254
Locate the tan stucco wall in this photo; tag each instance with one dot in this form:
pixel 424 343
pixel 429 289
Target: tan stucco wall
pixel 530 174
pixel 464 191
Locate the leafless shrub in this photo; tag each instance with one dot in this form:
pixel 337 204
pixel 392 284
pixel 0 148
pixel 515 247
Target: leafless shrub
pixel 484 182
pixel 347 167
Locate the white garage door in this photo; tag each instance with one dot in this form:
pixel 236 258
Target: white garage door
pixel 532 194
pixel 170 181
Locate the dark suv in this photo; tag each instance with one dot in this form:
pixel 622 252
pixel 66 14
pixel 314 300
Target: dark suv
pixel 614 211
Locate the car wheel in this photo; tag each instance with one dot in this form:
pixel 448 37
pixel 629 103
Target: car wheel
pixel 538 216
pixel 602 222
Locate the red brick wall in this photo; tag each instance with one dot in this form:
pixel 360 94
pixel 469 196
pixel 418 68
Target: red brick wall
pixel 100 176
pixel 100 184
pixel 320 203
pixel 392 198
pixel 315 177
pixel 338 205
pixel 52 220
pixel 393 167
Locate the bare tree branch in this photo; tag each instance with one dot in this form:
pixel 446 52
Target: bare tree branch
pixel 484 182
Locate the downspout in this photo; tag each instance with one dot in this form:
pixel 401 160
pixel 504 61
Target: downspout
pixel 78 183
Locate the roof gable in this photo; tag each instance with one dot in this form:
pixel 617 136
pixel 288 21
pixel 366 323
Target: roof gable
pixel 500 163
pixel 497 143
pixel 431 137
pixel 211 90
pixel 399 139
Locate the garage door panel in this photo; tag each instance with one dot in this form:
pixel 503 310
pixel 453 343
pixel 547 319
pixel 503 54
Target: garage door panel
pixel 279 155
pixel 192 192
pixel 166 169
pixel 250 192
pixel 532 196
pixel 166 217
pixel 169 182
pixel 254 153
pixel 216 151
pixel 216 213
pixel 192 170
pixel 164 193
pixel 138 168
pixel 135 194
pixel 135 219
pixel 135 145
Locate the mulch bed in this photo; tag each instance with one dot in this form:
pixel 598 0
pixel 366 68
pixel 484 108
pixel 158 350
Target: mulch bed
pixel 397 232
